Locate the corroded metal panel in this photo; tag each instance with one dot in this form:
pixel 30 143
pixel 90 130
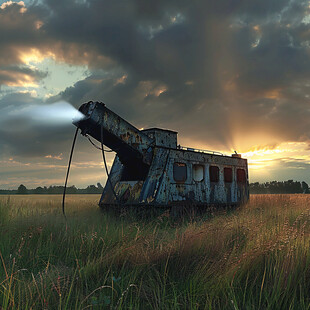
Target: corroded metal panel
pixel 162 137
pixel 155 176
pixel 128 192
pixel 115 176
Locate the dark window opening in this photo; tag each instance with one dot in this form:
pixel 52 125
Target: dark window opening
pixel 214 173
pixel 241 177
pixel 134 172
pixel 198 173
pixel 179 172
pixel 228 175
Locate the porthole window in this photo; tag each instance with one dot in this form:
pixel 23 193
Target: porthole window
pixel 214 172
pixel 179 172
pixel 198 173
pixel 228 175
pixel 241 177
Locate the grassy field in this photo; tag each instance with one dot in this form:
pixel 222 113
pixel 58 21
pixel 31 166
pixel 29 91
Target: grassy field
pixel 256 257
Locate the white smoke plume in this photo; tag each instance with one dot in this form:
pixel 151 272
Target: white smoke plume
pixel 55 114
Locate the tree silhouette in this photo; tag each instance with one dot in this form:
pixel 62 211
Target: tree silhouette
pixel 22 190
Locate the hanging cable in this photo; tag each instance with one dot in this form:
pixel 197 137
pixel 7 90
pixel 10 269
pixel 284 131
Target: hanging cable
pixel 96 146
pixel 106 167
pixel 65 187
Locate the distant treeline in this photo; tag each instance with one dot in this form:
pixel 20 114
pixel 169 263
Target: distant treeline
pixel 23 190
pixel 275 187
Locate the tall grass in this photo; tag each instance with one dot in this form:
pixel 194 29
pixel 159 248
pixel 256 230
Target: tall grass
pixel 256 257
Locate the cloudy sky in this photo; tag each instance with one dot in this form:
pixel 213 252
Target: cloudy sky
pixel 227 75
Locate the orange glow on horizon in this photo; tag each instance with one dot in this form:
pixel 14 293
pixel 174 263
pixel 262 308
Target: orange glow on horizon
pixel 285 152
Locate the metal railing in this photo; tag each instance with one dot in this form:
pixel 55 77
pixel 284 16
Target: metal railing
pixel 179 147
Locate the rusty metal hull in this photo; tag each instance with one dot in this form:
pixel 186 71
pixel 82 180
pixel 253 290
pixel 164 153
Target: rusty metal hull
pixel 161 189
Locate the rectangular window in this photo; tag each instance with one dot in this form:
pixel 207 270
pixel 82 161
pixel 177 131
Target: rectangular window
pixel 179 172
pixel 198 173
pixel 241 177
pixel 214 173
pixel 228 175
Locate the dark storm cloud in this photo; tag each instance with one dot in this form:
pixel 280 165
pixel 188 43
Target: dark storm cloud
pixel 19 76
pixel 215 61
pixel 21 136
pixel 278 59
pixel 19 34
pixel 208 69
